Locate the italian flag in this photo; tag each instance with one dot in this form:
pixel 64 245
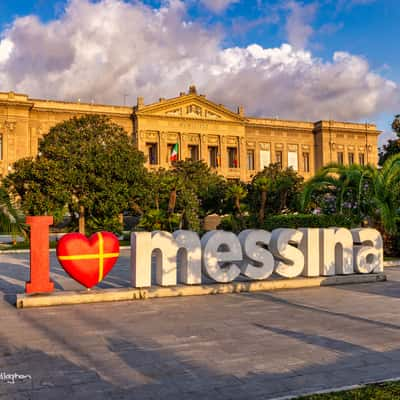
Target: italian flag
pixel 174 153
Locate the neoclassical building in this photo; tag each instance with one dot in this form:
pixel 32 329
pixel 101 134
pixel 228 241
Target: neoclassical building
pixel 236 145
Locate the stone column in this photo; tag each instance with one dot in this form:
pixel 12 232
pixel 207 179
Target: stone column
pixel 141 144
pixel 162 150
pixel 223 155
pixel 203 148
pixel 183 140
pixel 9 148
pixel 242 159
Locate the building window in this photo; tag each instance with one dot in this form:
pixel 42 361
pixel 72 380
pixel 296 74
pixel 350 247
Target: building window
pixel 213 156
pixel 152 153
pixel 361 159
pixel 278 158
pixel 1 146
pixel 340 157
pixel 232 157
pixel 194 152
pixel 250 160
pixel 351 158
pixel 265 158
pixel 293 161
pixel 306 162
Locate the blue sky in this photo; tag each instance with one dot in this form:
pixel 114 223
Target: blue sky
pixel 366 31
pixel 368 28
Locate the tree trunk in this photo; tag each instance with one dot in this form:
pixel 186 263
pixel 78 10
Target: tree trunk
pixel 237 205
pixel 172 201
pixel 136 208
pixel 82 220
pixel 261 214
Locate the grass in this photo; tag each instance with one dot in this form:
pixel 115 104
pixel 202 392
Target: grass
pixel 391 258
pixel 378 391
pixel 21 246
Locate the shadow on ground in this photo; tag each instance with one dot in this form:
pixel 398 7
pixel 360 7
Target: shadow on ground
pixel 114 355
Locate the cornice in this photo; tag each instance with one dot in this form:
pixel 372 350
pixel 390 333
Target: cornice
pixel 16 103
pixel 191 119
pixel 80 111
pixel 181 100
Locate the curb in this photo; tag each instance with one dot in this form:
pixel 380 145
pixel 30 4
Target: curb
pixel 123 294
pixel 336 389
pixel 392 263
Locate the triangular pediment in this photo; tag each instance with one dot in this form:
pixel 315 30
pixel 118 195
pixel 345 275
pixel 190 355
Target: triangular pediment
pixel 190 106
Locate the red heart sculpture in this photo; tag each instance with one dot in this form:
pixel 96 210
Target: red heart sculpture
pixel 88 261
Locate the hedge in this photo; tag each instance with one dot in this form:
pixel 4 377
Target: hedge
pixel 235 224
pixel 307 221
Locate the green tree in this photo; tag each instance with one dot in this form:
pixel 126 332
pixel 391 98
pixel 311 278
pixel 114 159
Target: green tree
pixel 208 186
pixel 88 166
pixel 236 192
pixel 369 192
pixel 385 187
pixel 338 189
pixel 11 218
pixel 263 185
pixel 393 145
pixel 180 196
pixel 282 186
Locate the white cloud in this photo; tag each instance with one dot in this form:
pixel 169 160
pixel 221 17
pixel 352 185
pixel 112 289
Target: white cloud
pixel 298 27
pixel 6 47
pixel 100 51
pixel 218 6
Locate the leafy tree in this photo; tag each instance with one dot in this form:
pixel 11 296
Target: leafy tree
pixel 181 196
pixel 282 186
pixel 88 166
pixel 154 220
pixel 393 145
pixel 208 186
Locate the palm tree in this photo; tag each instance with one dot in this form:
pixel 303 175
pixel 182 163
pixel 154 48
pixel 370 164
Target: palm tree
pixel 236 192
pixel 11 219
pixel 263 185
pixel 374 192
pixel 385 185
pixel 345 183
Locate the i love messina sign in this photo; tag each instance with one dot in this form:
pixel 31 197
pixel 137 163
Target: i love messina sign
pixel 222 256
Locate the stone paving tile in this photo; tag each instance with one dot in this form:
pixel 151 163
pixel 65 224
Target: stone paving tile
pixel 237 346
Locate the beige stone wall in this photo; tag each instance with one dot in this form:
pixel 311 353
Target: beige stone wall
pixel 168 122
pixel 335 137
pixel 194 122
pixel 23 121
pixel 283 136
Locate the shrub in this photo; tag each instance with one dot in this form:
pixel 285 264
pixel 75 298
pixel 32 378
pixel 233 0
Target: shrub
pixel 235 224
pixel 307 221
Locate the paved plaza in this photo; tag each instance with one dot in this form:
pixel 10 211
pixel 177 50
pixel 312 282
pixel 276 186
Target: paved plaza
pixel 238 346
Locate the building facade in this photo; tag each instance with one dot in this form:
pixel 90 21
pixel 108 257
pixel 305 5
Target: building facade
pixel 235 145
